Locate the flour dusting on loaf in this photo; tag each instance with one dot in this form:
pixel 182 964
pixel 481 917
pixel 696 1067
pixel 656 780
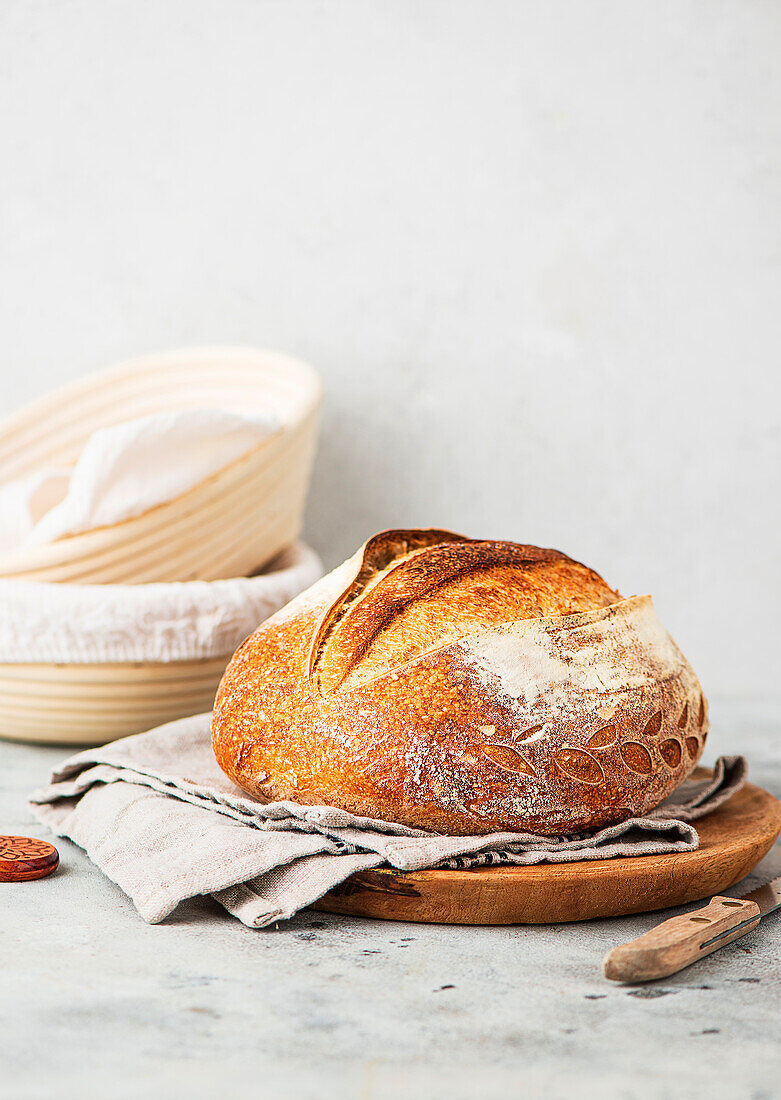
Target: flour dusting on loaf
pixel 462 686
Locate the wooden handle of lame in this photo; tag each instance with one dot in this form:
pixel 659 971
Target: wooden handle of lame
pixel 680 941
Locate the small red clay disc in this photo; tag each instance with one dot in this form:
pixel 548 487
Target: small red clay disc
pixel 25 857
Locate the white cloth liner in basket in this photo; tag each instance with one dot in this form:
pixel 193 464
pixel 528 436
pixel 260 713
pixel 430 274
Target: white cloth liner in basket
pixel 95 624
pixel 124 470
pixel 207 453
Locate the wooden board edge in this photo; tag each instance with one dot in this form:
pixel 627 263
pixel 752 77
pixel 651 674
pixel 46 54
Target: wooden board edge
pixel 588 890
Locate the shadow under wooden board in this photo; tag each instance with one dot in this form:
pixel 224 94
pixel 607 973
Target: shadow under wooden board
pixel 733 839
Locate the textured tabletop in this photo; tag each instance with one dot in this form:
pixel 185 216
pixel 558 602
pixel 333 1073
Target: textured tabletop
pixel 96 1003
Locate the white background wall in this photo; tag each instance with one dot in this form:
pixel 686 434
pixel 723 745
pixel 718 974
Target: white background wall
pixel 533 247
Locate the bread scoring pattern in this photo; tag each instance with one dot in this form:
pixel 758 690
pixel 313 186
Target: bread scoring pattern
pixel 583 764
pixel 396 608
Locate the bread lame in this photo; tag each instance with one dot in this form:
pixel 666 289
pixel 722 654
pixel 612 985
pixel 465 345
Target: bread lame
pixel 680 941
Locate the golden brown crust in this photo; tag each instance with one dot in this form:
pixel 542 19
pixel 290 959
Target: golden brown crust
pixel 462 686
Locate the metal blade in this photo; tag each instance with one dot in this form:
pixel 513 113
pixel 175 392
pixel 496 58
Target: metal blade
pixel 767 897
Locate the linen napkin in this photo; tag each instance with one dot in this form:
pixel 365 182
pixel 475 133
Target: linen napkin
pixel 157 815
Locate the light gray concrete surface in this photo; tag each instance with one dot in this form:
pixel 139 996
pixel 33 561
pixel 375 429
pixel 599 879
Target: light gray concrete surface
pixel 533 248
pixel 94 1003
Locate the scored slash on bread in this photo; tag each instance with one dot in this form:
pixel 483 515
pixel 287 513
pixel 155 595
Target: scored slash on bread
pixel 401 611
pixel 462 686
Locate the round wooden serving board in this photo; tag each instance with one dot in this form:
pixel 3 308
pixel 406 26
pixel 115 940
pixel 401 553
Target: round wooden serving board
pixel 733 839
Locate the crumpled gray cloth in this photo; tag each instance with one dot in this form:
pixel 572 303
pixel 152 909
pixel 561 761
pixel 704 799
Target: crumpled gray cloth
pixel 157 815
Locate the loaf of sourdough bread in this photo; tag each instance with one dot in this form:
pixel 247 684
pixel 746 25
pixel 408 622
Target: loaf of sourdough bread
pixel 464 687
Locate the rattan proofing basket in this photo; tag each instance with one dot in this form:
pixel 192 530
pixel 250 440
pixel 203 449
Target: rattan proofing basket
pixel 227 526
pixel 92 704
pixel 81 664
